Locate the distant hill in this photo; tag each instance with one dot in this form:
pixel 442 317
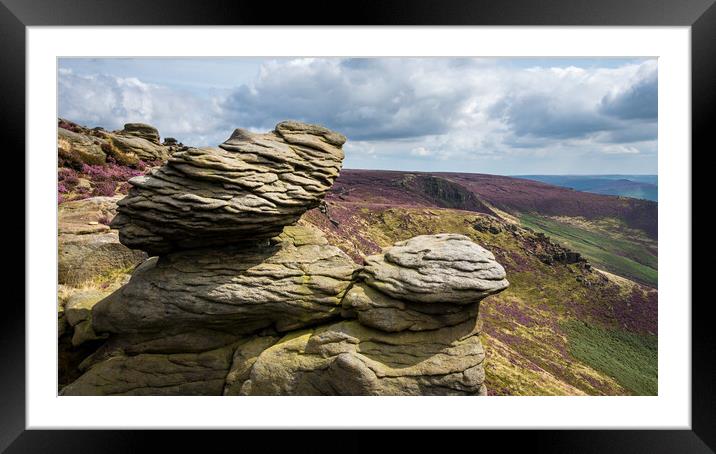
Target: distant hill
pixel 618 234
pixel 564 326
pixel 635 186
pixel 470 191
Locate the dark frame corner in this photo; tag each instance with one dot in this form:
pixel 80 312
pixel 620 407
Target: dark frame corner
pixel 16 15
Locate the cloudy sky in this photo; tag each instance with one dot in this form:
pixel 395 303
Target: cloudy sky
pixel 505 116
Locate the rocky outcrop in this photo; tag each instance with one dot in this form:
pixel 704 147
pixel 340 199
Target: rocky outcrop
pixel 378 310
pixel 248 188
pixel 78 145
pixel 87 248
pixel 243 301
pixel 347 358
pixel 436 268
pixel 416 331
pixel 78 314
pixel 298 281
pixel 178 374
pixel 80 148
pixel 141 130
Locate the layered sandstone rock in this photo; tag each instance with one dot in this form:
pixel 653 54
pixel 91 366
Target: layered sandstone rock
pixel 143 131
pixel 80 147
pixel 298 281
pixel 135 142
pixel 436 268
pixel 178 374
pixel 248 188
pixel 241 301
pixel 347 358
pixel 87 248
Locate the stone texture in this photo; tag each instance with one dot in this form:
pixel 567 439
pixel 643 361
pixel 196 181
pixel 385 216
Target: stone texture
pixel 80 148
pixel 296 281
pixel 181 374
pixel 137 141
pixel 248 188
pixel 82 258
pixel 131 146
pixel 78 315
pixel 347 358
pixel 83 216
pixel 245 356
pixel 83 332
pixel 78 306
pixel 377 310
pixel 87 248
pixel 443 268
pixel 141 130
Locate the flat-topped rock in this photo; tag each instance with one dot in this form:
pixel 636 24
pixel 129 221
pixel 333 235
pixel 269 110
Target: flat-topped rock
pixel 248 188
pixel 142 130
pixel 443 268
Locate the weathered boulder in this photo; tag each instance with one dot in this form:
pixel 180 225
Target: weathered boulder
pixel 378 310
pixel 78 306
pixel 130 148
pixel 78 313
pixel 245 356
pixel 294 281
pixel 79 148
pixel 347 358
pixel 141 130
pixel 179 374
pixel 87 248
pixel 82 258
pixel 436 269
pixel 83 332
pixel 86 216
pixel 248 188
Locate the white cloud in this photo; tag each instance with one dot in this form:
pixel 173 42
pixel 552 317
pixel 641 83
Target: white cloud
pixel 109 101
pixel 420 151
pixel 619 149
pixel 402 112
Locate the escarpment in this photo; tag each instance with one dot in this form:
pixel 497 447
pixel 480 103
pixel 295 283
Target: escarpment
pixel 240 299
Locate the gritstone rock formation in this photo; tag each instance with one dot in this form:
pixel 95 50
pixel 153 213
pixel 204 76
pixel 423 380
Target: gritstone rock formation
pixel 347 358
pixel 143 131
pixel 291 315
pixel 248 188
pixel 436 268
pixel 86 247
pixel 137 141
pixel 297 282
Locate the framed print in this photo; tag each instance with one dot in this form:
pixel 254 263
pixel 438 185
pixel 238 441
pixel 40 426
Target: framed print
pixel 477 216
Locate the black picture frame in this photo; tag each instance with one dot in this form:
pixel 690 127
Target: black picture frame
pixel 16 15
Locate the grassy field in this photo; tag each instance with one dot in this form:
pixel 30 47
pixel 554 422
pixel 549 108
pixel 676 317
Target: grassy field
pixel 607 249
pixel 630 359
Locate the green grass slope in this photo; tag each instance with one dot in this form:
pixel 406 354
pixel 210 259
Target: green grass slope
pixel 623 253
pixel 631 359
